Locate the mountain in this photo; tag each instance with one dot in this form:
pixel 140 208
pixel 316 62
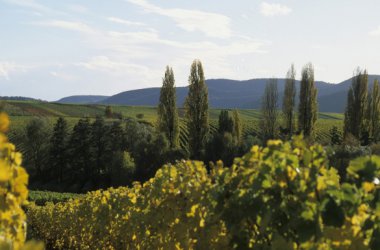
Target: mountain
pixel 225 93
pixel 83 99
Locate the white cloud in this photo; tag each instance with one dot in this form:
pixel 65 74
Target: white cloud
pixel 7 68
pixel 68 25
pixel 242 45
pixel 375 32
pixel 274 9
pixel 210 24
pixel 125 22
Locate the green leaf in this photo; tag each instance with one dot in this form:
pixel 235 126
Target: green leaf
pixel 364 168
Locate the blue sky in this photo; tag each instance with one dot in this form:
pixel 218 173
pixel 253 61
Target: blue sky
pixel 51 49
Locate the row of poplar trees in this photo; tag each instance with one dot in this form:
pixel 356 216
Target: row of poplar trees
pixel 307 107
pixel 196 110
pixel 362 115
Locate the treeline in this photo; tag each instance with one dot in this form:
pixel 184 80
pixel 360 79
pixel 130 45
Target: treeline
pixel 361 118
pixel 93 154
pixel 274 124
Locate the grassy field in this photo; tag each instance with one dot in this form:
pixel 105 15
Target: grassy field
pixel 21 112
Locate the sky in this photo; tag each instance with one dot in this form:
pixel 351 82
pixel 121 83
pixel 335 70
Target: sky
pixel 52 49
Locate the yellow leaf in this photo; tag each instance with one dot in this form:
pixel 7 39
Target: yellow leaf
pixel 4 122
pixel 192 210
pixel 368 186
pixel 202 223
pixel 5 171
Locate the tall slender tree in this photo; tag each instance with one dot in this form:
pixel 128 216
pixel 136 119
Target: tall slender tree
pixel 349 113
pixel 269 113
pixel 225 122
pixel 375 111
pixel 196 108
pixel 237 132
pixel 355 120
pixel 289 100
pixel 59 149
pixel 307 110
pixel 167 109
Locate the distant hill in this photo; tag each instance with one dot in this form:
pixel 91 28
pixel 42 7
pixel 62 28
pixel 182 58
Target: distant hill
pixel 224 93
pixel 83 99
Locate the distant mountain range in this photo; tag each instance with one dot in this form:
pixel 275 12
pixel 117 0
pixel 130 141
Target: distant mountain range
pixel 224 93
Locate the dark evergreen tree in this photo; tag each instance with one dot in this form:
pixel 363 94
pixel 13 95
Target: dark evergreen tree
pixel 81 159
pixel 37 147
pixel 289 101
pixel 59 150
pixel 116 137
pixel 100 147
pixel 307 111
pixel 167 110
pixel 196 108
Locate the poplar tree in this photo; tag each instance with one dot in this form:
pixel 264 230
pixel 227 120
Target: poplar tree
pixel 349 114
pixel 237 132
pixel 225 122
pixel 269 113
pixel 196 109
pixel 289 100
pixel 167 122
pixel 375 111
pixel 356 117
pixel 307 110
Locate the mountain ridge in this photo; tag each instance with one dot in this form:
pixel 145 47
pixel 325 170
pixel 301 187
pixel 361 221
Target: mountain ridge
pixel 227 93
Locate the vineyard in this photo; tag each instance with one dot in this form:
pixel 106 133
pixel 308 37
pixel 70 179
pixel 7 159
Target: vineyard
pixel 284 196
